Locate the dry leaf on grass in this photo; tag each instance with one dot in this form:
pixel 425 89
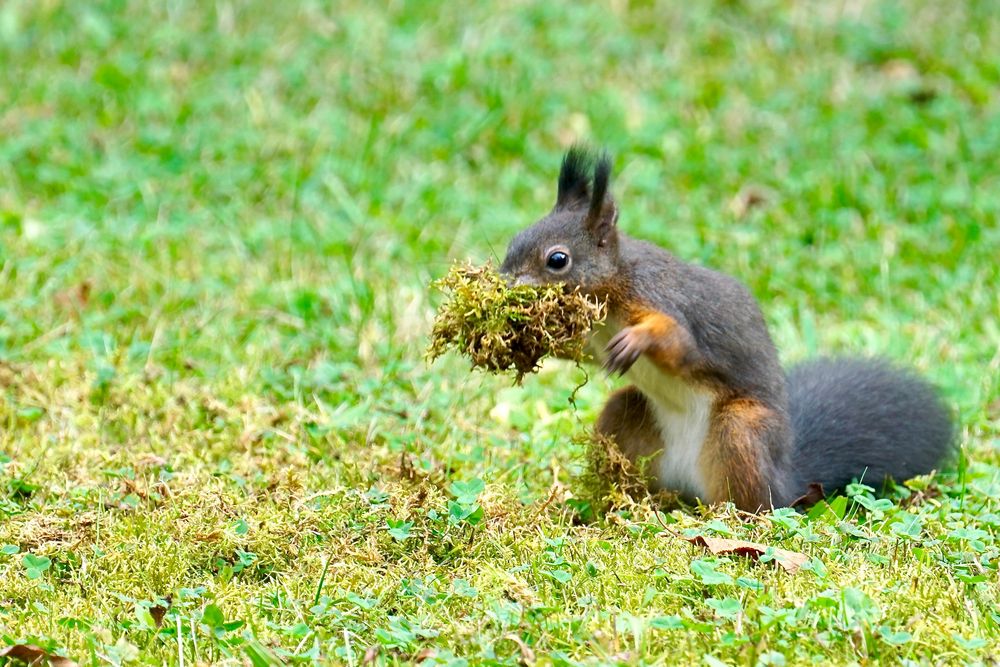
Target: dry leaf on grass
pixel 34 655
pixel 790 561
pixel 814 493
pixel 160 610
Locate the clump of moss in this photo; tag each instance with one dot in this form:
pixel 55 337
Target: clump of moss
pixel 610 480
pixel 501 328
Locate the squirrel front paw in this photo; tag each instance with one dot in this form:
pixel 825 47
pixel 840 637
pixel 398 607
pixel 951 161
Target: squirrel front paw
pixel 624 350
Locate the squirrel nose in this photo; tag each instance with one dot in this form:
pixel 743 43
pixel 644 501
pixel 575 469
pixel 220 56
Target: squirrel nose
pixel 521 279
pixel 512 279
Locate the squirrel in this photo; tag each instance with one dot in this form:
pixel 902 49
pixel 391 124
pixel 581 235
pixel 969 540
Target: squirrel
pixel 710 410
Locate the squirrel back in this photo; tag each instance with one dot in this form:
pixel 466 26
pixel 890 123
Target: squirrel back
pixel 710 404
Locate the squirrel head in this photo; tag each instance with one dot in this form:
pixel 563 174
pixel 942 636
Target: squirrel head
pixel 577 242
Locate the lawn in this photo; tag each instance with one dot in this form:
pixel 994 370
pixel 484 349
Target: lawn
pixel 219 437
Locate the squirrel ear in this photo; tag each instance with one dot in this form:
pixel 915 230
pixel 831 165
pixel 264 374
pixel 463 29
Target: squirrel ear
pixel 603 213
pixel 603 226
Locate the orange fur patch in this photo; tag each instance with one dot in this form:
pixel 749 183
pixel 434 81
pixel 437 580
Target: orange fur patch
pixel 668 344
pixel 732 458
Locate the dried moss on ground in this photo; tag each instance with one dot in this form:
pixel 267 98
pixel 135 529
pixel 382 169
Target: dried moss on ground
pixel 609 481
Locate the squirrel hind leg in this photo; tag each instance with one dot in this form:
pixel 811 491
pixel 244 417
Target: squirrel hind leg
pixel 735 460
pixel 628 419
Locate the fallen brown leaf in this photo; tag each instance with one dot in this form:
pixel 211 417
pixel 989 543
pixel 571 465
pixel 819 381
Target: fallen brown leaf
pixel 814 493
pixel 790 561
pixel 34 655
pixel 370 655
pixel 159 611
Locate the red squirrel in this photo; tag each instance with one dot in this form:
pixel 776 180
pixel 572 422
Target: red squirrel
pixel 710 408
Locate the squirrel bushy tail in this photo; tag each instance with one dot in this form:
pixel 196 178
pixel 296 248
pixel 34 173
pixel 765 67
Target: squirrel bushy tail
pixel 864 418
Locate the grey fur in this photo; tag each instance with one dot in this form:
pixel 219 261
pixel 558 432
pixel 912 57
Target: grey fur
pixel 865 419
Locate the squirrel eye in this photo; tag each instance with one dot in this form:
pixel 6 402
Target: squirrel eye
pixel 557 260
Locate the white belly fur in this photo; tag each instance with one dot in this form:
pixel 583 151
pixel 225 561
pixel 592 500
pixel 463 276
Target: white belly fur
pixel 682 413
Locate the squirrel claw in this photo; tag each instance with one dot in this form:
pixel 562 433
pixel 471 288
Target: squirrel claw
pixel 623 351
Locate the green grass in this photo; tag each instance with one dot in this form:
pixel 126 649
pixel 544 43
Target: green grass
pixel 218 225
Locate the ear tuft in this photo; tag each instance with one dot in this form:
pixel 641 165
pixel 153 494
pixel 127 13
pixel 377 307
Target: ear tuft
pixel 602 175
pixel 583 182
pixel 602 216
pixel 574 176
